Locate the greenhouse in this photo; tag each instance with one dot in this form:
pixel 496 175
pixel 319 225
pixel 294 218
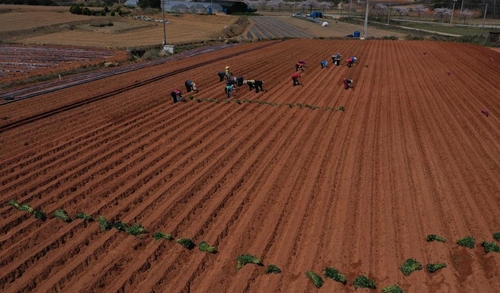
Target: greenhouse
pixel 186 7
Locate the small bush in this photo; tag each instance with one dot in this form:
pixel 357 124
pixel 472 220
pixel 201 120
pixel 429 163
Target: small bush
pixel 203 246
pixel 272 269
pixel 433 237
pixel 335 275
pixel 467 241
pixel 247 259
pixel 392 289
pixel 61 214
pixel 409 266
pixel 40 215
pixel 496 236
pixel 364 282
pixel 315 278
pixel 186 242
pixel 104 223
pixel 490 247
pixel 161 235
pixel 136 230
pixel 433 267
pixel 85 217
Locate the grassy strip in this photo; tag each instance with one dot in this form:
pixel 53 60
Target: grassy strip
pixel 433 267
pixel 161 235
pixel 335 275
pixel 272 269
pixel 467 241
pixel 61 214
pixel 315 278
pixel 364 282
pixel 409 266
pixel 392 289
pixel 490 247
pixel 247 259
pixel 433 237
pixel 203 246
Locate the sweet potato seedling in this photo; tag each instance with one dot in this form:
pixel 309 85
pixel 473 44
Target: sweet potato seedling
pixel 61 214
pixel 315 278
pixel 40 215
pixel 289 105
pixel 161 235
pixel 247 259
pixel 467 241
pixel 299 105
pixel 341 108
pixel 272 269
pixel 364 282
pixel 136 230
pixel 104 223
pixel 392 289
pixel 433 267
pixel 335 275
pixel 186 242
pixel 203 246
pixel 496 236
pixel 85 217
pixel 490 247
pixel 120 226
pixel 433 237
pixel 409 266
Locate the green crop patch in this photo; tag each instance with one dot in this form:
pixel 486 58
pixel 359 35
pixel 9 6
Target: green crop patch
pixel 433 267
pixel 85 217
pixel 490 247
pixel 247 259
pixel 136 230
pixel 341 108
pixel 22 207
pixel 203 246
pixel 161 235
pixel 61 214
pixel 315 278
pixel 272 269
pixel 335 275
pixel 467 241
pixel 433 237
pixel 104 223
pixel 186 242
pixel 496 236
pixel 120 226
pixel 409 266
pixel 40 215
pixel 392 289
pixel 364 282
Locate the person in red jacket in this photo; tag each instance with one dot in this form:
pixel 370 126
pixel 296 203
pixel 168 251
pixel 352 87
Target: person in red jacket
pixel 300 65
pixel 177 96
pixel 295 78
pixel 347 83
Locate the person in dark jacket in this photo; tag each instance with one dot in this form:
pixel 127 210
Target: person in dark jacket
pixel 177 96
pixel 347 83
pixel 258 85
pixel 336 59
pixel 300 65
pixel 190 86
pixel 221 75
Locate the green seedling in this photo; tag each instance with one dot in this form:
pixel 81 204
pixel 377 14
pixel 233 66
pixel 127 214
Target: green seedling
pixel 120 226
pixel 203 246
pixel 186 242
pixel 496 236
pixel 364 282
pixel 289 105
pixel 409 266
pixel 104 223
pixel 136 230
pixel 433 267
pixel 85 217
pixel 256 101
pixel 299 105
pixel 237 102
pixel 315 278
pixel 24 207
pixel 225 101
pixel 392 289
pixel 433 237
pixel 247 259
pixel 161 235
pixel 490 247
pixel 247 101
pixel 335 275
pixel 328 108
pixel 191 98
pixel 265 103
pixel 215 101
pixel 61 214
pixel 341 108
pixel 14 204
pixel 272 269
pixel 467 241
pixel 40 215
pixel 197 100
pixel 276 104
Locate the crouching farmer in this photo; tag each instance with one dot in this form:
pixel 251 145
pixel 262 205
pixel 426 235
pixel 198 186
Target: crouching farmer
pixel 347 83
pixel 323 64
pixel 229 90
pixel 295 79
pixel 190 86
pixel 221 75
pixel 177 96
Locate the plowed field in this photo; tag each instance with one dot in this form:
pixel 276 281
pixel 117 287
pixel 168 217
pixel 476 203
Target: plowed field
pixel 303 188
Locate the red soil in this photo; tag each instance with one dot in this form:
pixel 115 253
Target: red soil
pixel 303 189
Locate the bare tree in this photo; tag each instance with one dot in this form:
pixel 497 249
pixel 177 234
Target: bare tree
pixel 381 9
pixel 465 13
pixel 420 9
pixel 442 13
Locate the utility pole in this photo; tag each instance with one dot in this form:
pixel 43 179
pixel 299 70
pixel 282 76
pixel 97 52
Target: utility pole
pixel 366 17
pixel 388 12
pixel 452 11
pixel 163 16
pixel 484 18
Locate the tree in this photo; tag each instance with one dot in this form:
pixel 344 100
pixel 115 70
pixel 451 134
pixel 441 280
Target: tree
pixel 402 11
pixel 420 9
pixel 324 5
pixel 442 13
pixel 381 9
pixel 465 13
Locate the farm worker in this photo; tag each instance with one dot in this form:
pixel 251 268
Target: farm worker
pixel 324 63
pixel 336 59
pixel 295 78
pixel 227 72
pixel 351 61
pixel 347 83
pixel 221 75
pixel 177 96
pixel 190 86
pixel 259 86
pixel 300 65
pixel 250 83
pixel 239 80
pixel 229 90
